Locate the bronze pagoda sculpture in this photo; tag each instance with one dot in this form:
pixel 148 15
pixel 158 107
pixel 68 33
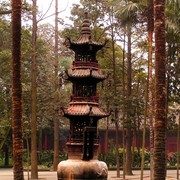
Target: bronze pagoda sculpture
pixel 83 111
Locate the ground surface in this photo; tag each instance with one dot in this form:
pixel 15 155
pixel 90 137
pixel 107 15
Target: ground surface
pixel 7 174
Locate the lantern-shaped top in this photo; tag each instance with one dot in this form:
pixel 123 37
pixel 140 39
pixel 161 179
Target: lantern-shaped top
pixel 85 41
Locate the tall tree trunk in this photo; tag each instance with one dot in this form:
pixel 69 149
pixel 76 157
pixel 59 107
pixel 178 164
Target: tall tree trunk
pixel 115 110
pixel 128 128
pixel 178 134
pixel 115 94
pixel 117 142
pixel 34 169
pixel 107 131
pixel 144 128
pixel 56 119
pixel 137 124
pixel 123 109
pixel 160 92
pixel 150 29
pixel 17 133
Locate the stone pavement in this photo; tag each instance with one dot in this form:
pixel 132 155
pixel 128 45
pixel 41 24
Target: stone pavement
pixel 171 175
pixel 7 174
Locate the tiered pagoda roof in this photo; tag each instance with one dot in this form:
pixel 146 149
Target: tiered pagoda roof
pixel 85 73
pixel 85 70
pixel 84 109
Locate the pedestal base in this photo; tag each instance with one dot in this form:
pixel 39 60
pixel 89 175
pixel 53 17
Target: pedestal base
pixel 79 169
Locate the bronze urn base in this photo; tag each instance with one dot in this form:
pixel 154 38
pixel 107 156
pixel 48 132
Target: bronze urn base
pixel 81 169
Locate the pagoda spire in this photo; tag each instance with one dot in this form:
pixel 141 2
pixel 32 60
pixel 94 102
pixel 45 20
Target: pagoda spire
pixel 85 29
pixel 85 38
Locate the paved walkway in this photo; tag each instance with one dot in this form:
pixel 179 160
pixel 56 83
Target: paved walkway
pixel 171 175
pixel 7 174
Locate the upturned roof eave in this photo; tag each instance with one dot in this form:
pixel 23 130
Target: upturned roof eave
pixel 71 112
pixel 67 115
pixel 99 77
pixel 78 45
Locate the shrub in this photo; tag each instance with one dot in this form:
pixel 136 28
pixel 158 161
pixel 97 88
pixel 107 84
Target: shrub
pixel 110 158
pixel 45 158
pixel 171 159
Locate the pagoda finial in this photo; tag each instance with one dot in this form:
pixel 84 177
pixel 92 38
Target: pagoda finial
pixel 86 25
pixel 86 15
